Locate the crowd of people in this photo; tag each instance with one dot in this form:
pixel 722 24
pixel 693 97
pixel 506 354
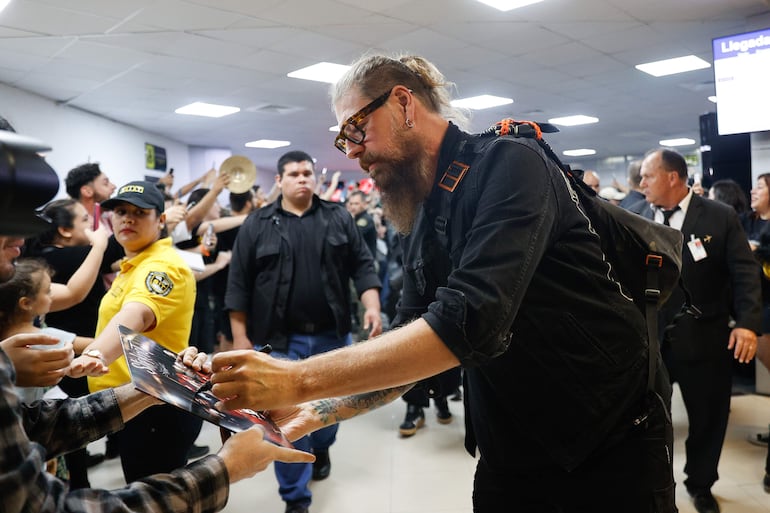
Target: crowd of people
pixel 458 251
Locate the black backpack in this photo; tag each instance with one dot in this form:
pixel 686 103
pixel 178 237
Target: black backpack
pixel 646 257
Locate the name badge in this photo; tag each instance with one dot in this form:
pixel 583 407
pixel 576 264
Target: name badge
pixel 697 250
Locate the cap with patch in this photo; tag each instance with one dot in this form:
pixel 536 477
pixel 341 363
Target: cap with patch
pixel 140 194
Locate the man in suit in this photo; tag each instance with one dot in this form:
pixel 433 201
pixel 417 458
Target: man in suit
pixel 722 276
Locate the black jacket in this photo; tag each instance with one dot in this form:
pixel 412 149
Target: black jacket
pixel 555 356
pixel 725 284
pixel 261 270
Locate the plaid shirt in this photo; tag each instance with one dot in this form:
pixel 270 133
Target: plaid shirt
pixel 31 434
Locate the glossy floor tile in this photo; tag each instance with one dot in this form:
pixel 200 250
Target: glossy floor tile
pixel 376 471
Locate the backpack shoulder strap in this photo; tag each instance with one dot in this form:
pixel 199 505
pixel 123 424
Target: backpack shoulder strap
pixel 441 208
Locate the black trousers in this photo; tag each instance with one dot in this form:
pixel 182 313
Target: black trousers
pixel 438 387
pixel 706 388
pixel 157 441
pixel 633 475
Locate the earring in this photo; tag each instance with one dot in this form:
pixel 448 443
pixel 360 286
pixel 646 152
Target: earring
pixel 409 123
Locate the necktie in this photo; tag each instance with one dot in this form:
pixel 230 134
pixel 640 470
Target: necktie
pixel 667 215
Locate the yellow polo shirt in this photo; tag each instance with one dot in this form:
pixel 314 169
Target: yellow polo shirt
pixel 160 279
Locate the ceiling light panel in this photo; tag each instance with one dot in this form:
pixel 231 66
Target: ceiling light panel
pixel 682 141
pixel 576 120
pixel 322 72
pixel 208 110
pixel 673 66
pixel 508 5
pixel 580 152
pixel 485 101
pixel 267 144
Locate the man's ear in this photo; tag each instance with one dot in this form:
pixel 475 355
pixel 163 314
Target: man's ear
pixel 86 191
pixel 403 95
pixel 406 100
pixel 278 180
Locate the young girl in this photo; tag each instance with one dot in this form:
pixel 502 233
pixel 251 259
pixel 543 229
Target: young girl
pixel 26 297
pixel 23 299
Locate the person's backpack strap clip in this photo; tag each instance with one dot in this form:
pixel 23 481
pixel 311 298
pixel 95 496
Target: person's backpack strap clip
pixel 453 175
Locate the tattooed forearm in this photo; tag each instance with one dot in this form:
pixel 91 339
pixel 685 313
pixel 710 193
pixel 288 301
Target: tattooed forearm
pixel 338 409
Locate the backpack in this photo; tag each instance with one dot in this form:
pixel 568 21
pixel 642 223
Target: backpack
pixel 645 257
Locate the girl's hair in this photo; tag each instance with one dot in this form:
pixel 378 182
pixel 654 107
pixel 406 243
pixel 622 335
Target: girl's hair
pixel 61 213
pixel 26 282
pixel 728 191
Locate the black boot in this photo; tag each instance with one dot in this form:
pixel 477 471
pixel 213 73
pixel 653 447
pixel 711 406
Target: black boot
pixel 322 465
pixel 414 420
pixel 443 415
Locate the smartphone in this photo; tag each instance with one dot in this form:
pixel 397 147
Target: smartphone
pixel 97 214
pixel 171 171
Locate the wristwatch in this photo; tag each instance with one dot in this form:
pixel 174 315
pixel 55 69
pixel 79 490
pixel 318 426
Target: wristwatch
pixel 94 353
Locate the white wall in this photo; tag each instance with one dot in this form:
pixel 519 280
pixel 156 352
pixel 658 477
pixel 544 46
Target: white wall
pixel 78 137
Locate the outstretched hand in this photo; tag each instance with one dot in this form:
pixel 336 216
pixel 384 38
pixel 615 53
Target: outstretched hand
pixel 247 453
pixel 296 421
pixel 252 379
pixel 37 367
pixel 87 366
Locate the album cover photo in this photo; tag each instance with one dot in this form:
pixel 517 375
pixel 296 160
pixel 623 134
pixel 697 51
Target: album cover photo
pixel 156 371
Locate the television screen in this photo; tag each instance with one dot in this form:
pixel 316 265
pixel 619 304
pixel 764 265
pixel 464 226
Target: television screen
pixel 741 76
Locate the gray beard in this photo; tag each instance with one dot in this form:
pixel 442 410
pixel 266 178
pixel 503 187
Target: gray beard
pixel 403 193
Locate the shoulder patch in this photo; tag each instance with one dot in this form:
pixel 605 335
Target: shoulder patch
pixel 362 222
pixel 159 283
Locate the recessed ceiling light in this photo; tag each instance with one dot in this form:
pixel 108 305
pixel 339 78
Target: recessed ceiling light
pixel 673 66
pixel 507 5
pixel 485 101
pixel 267 143
pixel 322 72
pixel 334 128
pixel 713 99
pixel 208 110
pixel 581 152
pixel 682 141
pixel 573 120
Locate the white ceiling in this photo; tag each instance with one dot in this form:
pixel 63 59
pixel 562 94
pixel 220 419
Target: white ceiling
pixel 135 61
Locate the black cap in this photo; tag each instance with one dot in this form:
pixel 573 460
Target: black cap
pixel 140 194
pixel 26 182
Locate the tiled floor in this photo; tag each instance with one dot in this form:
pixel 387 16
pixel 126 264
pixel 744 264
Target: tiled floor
pixel 375 471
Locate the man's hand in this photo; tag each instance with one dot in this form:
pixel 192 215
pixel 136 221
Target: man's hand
pixel 167 180
pixel 87 366
pixel 251 379
pixel 247 453
pixel 297 421
pixel 745 343
pixel 37 367
pixel 373 321
pixel 174 216
pixel 197 360
pixel 222 181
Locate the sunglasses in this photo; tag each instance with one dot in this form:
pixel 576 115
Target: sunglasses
pixel 350 131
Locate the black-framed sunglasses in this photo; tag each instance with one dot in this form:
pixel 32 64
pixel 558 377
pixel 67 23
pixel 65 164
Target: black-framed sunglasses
pixel 350 131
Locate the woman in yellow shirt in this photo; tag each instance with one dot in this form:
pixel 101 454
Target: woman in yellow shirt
pixel 154 293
